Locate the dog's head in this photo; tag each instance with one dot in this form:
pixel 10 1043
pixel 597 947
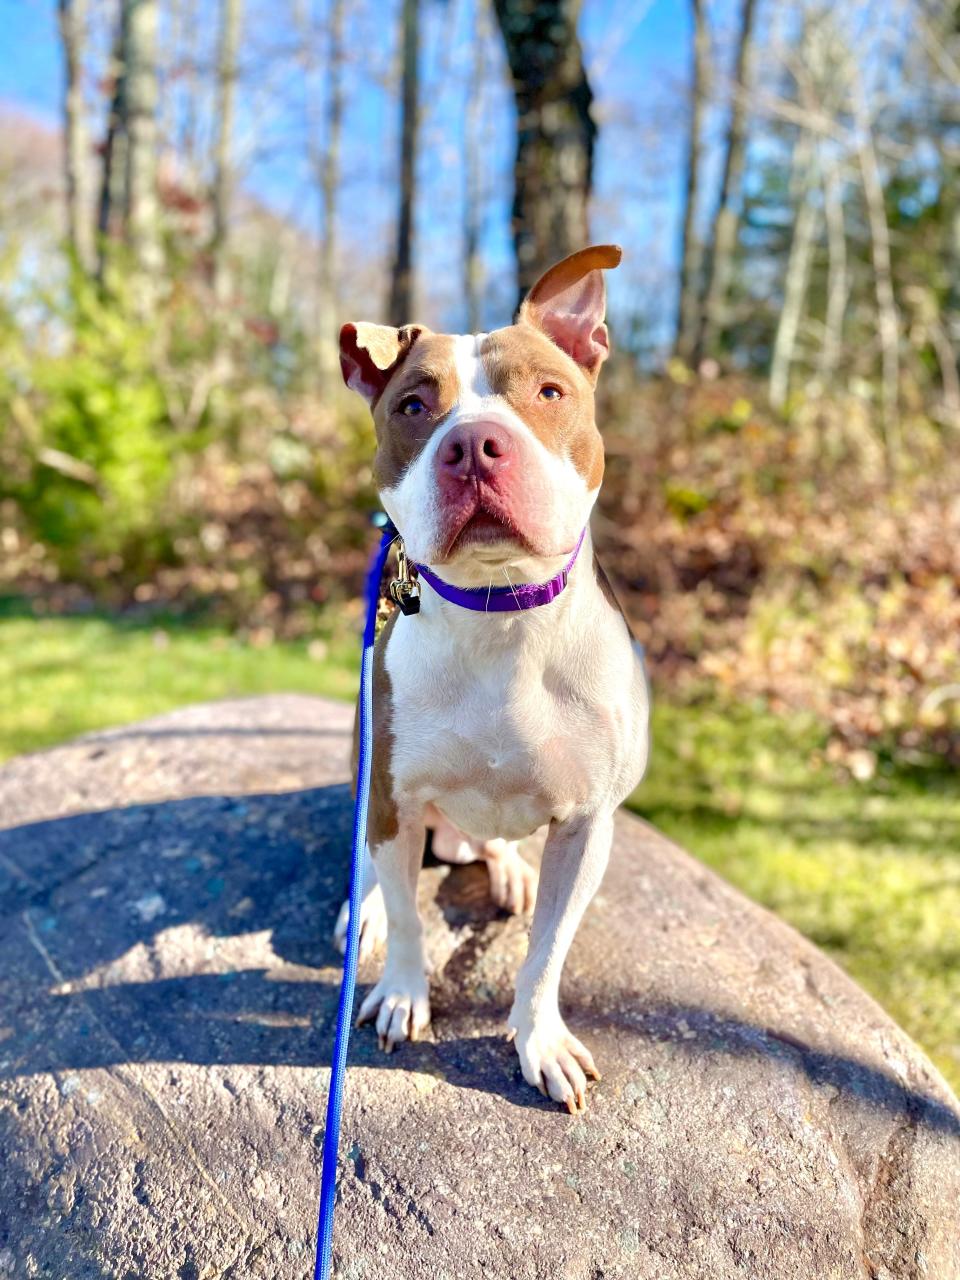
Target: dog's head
pixel 488 454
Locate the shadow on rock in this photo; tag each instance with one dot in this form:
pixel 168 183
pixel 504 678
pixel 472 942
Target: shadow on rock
pixel 198 931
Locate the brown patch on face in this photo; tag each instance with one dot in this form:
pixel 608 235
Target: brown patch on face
pixel 430 373
pixel 382 824
pixel 371 353
pixel 519 361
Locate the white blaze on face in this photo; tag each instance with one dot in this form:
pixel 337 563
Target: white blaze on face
pixel 476 398
pixel 556 497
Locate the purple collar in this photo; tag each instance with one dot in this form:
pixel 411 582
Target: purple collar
pixel 528 595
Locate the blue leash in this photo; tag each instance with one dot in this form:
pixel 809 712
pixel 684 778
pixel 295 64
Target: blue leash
pixel 331 1137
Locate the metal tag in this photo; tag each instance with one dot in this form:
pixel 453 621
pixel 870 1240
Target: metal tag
pixel 406 596
pixel 404 590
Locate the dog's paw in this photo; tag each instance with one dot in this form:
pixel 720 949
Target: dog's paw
pixel 401 1005
pixel 553 1060
pixel 513 882
pixel 373 925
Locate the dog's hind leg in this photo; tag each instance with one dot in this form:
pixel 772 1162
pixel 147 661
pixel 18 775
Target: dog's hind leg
pixel 513 882
pixel 449 843
pixel 373 913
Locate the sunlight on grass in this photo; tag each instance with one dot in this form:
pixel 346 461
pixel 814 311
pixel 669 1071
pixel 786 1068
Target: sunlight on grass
pixel 869 871
pixel 66 676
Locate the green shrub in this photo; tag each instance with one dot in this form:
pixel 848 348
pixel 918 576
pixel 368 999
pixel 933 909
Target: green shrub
pixel 96 446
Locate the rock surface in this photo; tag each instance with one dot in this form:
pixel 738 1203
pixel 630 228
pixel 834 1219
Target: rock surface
pixel 167 1001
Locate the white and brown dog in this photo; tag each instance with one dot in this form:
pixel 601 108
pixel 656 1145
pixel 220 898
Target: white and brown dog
pixel 514 699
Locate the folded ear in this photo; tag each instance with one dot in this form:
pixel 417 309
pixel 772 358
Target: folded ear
pixel 371 353
pixel 569 303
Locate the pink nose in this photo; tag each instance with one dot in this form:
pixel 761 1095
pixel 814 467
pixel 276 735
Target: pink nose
pixel 473 449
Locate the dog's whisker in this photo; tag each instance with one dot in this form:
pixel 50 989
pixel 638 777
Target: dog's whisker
pixel 513 590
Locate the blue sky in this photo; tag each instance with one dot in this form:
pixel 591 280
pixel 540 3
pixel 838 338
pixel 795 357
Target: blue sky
pixel 637 54
pixel 30 71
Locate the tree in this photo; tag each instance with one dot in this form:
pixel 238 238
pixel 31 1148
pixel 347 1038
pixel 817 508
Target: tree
pixel 230 18
pixel 473 170
pixel 722 238
pixel 323 121
pixel 329 181
pixel 400 307
pixel 128 193
pixel 113 174
pixel 72 15
pixel 888 323
pixel 838 278
pixel 797 273
pixel 556 132
pixel 688 305
pixel 140 101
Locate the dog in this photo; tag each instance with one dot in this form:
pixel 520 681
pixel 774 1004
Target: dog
pixel 515 698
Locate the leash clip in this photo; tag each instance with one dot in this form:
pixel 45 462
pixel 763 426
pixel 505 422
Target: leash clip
pixel 404 590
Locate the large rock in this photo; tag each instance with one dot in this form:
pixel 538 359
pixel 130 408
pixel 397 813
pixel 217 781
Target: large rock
pixel 168 1001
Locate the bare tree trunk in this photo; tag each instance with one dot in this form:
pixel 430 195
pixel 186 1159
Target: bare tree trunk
pixel 690 250
pixel 140 102
pixel 187 142
pixel 952 221
pixel 113 175
pixel 473 183
pixel 888 323
pixel 282 278
pixel 837 279
pixel 230 18
pixel 949 376
pixel 946 352
pixel 797 274
pixel 556 132
pixel 329 181
pixel 75 142
pixel 722 240
pixel 169 71
pixel 400 309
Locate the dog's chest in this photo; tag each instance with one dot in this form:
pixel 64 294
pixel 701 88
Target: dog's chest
pixel 500 745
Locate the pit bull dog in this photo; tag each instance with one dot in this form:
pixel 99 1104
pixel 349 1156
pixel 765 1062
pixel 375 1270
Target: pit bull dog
pixel 515 698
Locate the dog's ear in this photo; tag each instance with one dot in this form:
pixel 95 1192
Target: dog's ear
pixel 371 353
pixel 569 302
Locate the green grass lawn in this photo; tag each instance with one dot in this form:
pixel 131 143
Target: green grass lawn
pixel 869 871
pixel 60 677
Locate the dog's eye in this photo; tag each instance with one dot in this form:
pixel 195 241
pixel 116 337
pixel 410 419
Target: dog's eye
pixel 550 392
pixel 411 406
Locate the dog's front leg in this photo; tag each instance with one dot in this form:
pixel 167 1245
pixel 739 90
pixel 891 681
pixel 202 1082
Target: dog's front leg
pixel 574 860
pixel 400 1001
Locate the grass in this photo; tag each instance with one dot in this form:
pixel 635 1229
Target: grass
pixel 869 871
pixel 60 677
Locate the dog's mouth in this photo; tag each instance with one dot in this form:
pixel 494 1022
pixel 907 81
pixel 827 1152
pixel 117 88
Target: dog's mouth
pixel 485 528
pixel 482 522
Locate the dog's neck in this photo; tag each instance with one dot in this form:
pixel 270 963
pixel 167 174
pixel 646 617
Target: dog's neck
pixel 479 629
pixel 475 574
